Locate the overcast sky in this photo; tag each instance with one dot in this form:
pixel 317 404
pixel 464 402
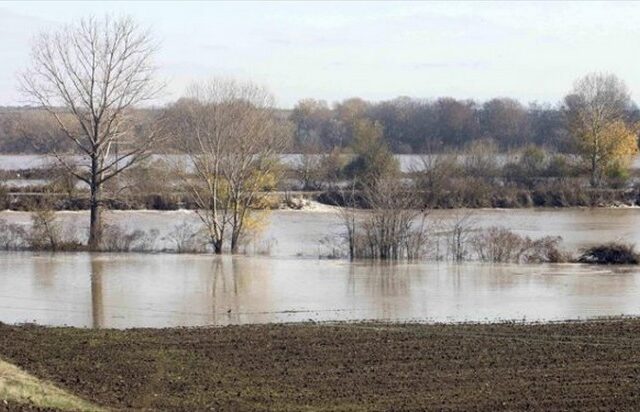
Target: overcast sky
pixel 332 50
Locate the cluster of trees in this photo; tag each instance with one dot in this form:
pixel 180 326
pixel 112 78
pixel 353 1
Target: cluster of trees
pixel 409 125
pixel 19 126
pixel 91 78
pixel 88 81
pixel 421 126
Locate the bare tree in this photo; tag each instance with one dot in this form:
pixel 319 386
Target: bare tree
pixel 393 227
pixel 89 76
pixel 461 230
pixel 229 133
pixel 349 218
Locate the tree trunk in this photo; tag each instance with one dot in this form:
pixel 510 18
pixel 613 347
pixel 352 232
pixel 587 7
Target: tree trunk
pixel 234 244
pixel 594 173
pixel 217 247
pixel 95 222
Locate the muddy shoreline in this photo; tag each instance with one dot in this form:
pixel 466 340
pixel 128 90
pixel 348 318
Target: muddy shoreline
pixel 589 365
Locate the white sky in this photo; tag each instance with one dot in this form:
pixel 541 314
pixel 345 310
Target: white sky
pixel 332 50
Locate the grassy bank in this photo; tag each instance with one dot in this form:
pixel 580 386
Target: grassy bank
pixel 590 365
pixel 20 390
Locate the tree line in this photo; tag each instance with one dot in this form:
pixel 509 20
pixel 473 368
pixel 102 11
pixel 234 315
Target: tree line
pixel 426 126
pixel 411 125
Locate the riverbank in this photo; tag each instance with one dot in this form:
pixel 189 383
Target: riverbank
pixel 361 366
pixel 471 197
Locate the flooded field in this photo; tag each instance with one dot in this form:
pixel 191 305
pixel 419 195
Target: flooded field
pixel 292 284
pixel 305 233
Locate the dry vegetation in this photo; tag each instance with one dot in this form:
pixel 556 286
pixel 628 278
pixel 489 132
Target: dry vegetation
pixel 614 253
pixel 22 391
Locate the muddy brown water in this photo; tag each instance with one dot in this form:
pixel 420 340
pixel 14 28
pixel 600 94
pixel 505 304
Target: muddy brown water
pixel 292 284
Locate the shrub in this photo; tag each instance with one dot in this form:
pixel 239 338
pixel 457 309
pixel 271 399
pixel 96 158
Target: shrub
pixel 497 244
pixel 618 175
pixel 47 233
pixel 560 168
pixel 5 200
pixel 12 236
pixel 614 253
pixel 114 239
pixel 187 238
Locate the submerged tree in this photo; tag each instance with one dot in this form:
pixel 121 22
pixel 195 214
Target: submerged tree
pixel 596 111
pixel 229 133
pixel 89 77
pixel 393 227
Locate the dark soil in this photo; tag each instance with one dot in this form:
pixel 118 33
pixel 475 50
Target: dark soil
pixel 566 366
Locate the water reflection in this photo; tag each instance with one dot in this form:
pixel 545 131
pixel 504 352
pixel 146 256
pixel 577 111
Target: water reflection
pixel 97 303
pixel 239 288
pixel 129 290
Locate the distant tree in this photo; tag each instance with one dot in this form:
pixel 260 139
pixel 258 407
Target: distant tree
pixel 425 129
pixel 596 110
pixel 347 114
pixel 548 128
pixel 457 122
pixel 505 121
pixel 397 117
pixel 312 119
pixel 373 160
pixel 89 76
pixel 32 130
pixel 351 110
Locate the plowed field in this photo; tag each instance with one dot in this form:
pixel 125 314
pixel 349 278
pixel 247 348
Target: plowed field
pixel 561 366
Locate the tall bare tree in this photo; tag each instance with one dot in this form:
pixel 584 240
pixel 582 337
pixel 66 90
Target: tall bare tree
pixel 89 76
pixel 228 131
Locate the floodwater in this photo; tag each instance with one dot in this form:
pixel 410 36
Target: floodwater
pixel 292 284
pixel 407 162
